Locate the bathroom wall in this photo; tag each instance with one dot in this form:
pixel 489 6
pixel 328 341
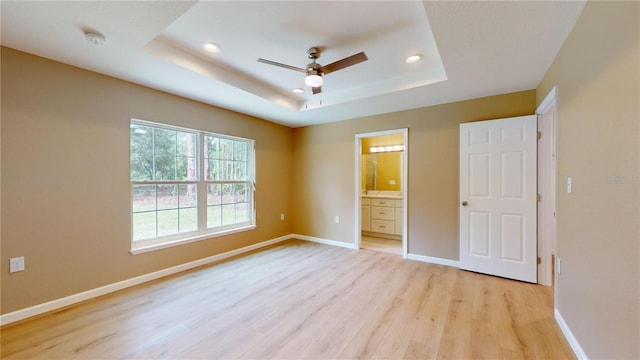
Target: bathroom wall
pixel 388 165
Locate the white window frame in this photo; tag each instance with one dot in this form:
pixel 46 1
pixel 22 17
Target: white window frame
pixel 250 182
pixel 202 232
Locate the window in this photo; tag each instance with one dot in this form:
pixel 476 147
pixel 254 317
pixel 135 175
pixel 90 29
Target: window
pixel 171 201
pixel 227 177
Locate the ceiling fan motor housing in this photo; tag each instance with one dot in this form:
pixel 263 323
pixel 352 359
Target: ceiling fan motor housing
pixel 314 69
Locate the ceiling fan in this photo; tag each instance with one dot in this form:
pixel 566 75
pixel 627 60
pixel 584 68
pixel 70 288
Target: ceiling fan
pixel 315 71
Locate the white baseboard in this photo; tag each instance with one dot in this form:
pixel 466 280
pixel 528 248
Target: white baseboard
pixel 573 342
pixel 433 260
pixel 324 241
pixel 103 290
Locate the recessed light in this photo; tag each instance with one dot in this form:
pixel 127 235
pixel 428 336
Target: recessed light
pixel 298 90
pixel 95 38
pixel 413 58
pixel 211 47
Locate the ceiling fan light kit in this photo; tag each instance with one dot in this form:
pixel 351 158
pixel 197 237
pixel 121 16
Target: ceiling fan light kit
pixel 313 80
pixel 315 72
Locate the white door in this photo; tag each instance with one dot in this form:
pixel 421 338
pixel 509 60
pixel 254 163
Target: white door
pixel 498 197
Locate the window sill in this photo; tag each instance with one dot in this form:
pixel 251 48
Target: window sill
pixel 148 248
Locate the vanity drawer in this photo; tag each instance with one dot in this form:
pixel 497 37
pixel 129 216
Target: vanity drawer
pixel 381 202
pixel 382 226
pixel 383 213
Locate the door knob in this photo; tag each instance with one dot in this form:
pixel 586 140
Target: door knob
pixel 464 203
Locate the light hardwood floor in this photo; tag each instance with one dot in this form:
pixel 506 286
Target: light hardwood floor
pixel 303 300
pixel 381 244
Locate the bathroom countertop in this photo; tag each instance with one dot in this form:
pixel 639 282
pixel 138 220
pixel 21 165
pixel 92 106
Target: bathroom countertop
pixel 382 195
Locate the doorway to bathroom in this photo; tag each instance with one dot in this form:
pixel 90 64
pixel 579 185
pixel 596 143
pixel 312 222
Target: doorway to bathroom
pixel 381 162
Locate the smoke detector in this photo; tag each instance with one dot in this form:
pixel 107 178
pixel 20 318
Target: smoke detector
pixel 95 38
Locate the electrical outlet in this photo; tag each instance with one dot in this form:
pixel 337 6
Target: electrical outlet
pixel 337 220
pixel 16 264
pixel 281 217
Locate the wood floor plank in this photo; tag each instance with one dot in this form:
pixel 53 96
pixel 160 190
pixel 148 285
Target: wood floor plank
pixel 301 300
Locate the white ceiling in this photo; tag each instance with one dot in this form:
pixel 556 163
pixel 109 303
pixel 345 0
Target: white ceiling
pixel 471 49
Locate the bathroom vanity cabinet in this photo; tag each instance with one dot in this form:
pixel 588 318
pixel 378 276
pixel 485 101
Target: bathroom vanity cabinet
pixel 381 216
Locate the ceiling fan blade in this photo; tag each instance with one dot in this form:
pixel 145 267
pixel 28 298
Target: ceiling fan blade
pixel 316 90
pixel 269 62
pixel 346 62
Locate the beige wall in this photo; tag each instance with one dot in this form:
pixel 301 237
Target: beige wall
pixel 324 162
pixel 597 74
pixel 65 178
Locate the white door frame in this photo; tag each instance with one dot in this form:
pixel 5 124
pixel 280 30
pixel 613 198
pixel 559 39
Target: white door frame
pixel 547 229
pixel 404 181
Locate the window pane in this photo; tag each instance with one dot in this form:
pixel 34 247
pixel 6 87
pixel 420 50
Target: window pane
pixel 240 192
pixel 188 219
pixel 165 142
pixel 186 168
pixel 165 167
pixel 186 143
pixel 144 198
pixel 240 170
pixel 240 151
pixel 144 225
pixel 227 193
pixel 188 195
pixel 228 214
pixel 226 149
pixel 167 222
pixel 242 212
pixel 214 216
pixel 214 194
pixel 141 147
pixel 226 159
pixel 186 156
pixel 213 148
pixel 227 170
pixel 141 167
pixel 167 197
pixel 213 170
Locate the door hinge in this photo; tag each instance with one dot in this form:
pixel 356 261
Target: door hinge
pixel 539 260
pixel 539 197
pixel 539 135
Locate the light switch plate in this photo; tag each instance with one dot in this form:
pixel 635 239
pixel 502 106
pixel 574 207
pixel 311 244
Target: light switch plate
pixel 558 266
pixel 569 185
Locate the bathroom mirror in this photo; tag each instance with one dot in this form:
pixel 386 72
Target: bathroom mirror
pixel 382 171
pixel 381 162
